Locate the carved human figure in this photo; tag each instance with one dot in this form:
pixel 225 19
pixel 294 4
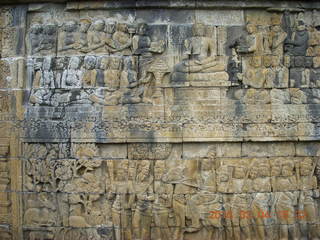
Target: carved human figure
pixel 110 76
pixel 122 40
pixel 277 37
pixel 307 204
pixel 35 38
pixel 43 75
pixel 71 77
pixel 205 199
pixel 90 72
pixel 276 76
pixel 49 37
pixel 284 185
pixel 240 203
pixel 121 207
pixel 259 184
pixel 43 80
pixel 253 74
pixel 297 45
pixel 83 33
pixel 141 45
pixel 97 37
pixel 200 57
pixel 142 217
pixel 251 42
pixel 163 202
pixel 182 188
pixel 68 37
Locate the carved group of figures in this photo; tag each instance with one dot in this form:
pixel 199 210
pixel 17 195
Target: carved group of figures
pixel 133 68
pixel 103 80
pixel 207 198
pixel 280 55
pixel 89 36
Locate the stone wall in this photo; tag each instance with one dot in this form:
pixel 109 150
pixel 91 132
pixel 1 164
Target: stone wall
pixel 160 120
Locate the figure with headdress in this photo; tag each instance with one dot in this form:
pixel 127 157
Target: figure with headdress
pixel 200 61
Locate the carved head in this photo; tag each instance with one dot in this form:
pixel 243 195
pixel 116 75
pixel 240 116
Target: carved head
pixel 60 63
pixel 115 63
pixel 159 169
pixel 254 171
pixel 263 170
pixel 104 63
pixel 130 64
pixel 223 174
pixel 84 25
pixel 49 29
pixel 287 168
pixel 239 172
pixel 206 164
pixel 199 30
pixel 143 170
pixel 251 28
pixel 47 63
pixel 267 61
pixel 306 167
pixel 111 28
pixel 275 168
pixel 36 29
pixel 276 28
pixel 301 26
pixel 316 62
pixel 121 170
pixel 132 170
pixel 74 63
pixel 90 62
pixel 142 28
pixel 99 25
pixel 70 26
pixel 256 61
pixel 122 27
pixel 275 62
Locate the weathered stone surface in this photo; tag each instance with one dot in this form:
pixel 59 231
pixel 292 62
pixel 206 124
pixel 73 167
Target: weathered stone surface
pixel 166 119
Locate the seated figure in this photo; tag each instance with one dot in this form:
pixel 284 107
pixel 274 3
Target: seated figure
pixel 200 62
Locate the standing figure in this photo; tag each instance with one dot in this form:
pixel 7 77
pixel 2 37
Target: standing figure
pixel 47 76
pixel 144 47
pixel 121 207
pixel 43 81
pixel 284 185
pixel 276 76
pixel 297 45
pixel 163 202
pixel 240 204
pixel 276 38
pixel 142 217
pixel 90 72
pixel 259 184
pixel 206 201
pixel 307 206
pixel 71 77
pixel 251 42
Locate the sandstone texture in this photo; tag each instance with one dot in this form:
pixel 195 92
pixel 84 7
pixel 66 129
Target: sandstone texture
pixel 159 120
